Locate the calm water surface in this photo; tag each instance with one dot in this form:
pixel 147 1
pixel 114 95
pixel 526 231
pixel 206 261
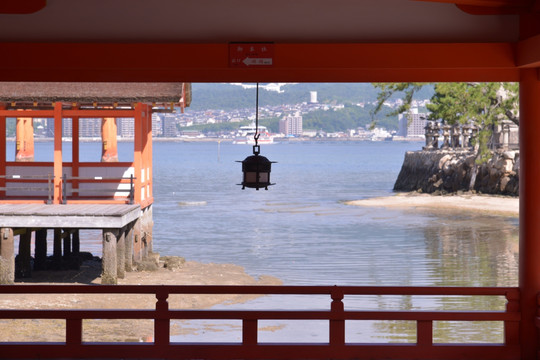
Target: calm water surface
pixel 301 232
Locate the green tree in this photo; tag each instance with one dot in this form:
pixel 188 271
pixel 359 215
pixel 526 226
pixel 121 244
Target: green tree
pixel 482 104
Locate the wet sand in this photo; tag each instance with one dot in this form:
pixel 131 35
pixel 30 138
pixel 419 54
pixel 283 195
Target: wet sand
pixel 485 204
pixel 189 273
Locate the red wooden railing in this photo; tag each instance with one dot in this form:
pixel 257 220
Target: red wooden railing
pixel 249 347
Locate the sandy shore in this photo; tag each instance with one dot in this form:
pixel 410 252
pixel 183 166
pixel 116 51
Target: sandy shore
pixel 486 204
pixel 189 273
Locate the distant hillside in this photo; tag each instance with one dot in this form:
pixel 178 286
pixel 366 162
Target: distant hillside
pixel 350 117
pixel 226 96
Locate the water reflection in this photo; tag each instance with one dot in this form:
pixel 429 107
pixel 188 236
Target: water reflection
pixel 473 250
pixel 462 250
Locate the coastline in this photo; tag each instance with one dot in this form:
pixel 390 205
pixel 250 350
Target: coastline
pixel 188 273
pixel 482 204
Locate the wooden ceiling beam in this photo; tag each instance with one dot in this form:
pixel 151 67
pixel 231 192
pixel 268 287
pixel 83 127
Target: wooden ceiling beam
pixel 528 52
pixel 349 62
pixel 21 6
pixel 492 7
pixel 486 3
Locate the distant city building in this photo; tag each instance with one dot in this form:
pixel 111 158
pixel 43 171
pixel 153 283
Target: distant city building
pixel 157 125
pixel 67 128
pixel 291 125
pixel 126 127
pixel 168 127
pixel 313 97
pixel 412 124
pixel 90 127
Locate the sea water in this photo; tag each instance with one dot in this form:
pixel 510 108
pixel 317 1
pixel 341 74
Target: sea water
pixel 301 231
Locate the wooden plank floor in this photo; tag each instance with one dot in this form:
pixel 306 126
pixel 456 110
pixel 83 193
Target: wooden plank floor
pixel 81 216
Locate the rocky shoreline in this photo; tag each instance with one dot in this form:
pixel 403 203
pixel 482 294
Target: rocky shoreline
pixel 455 170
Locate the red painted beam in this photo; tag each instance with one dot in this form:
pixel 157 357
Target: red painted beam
pixel 486 3
pixel 21 6
pixel 490 7
pixel 349 62
pixel 528 52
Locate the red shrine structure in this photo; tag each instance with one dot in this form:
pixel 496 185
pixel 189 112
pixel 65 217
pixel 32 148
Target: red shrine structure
pixel 285 41
pixel 107 194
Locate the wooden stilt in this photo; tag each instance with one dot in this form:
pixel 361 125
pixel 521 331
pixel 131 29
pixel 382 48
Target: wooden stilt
pixel 23 267
pixel 137 241
pixel 75 242
pixel 57 246
pixel 67 243
pixel 121 254
pixel 129 247
pixel 40 252
pixel 109 273
pixel 7 256
pixel 148 230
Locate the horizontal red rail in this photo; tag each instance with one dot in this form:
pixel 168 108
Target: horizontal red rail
pixel 249 347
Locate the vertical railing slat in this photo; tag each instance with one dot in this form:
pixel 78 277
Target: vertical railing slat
pixel 162 320
pixel 424 333
pixel 337 323
pixel 73 332
pixel 249 332
pixel 511 328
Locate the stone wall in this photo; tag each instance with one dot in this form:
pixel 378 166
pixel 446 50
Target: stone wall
pixel 455 170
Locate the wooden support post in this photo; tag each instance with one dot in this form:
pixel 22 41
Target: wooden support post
pixel 147 224
pixel 129 248
pixel 109 151
pixel 529 210
pixel 23 267
pixel 40 252
pixel 75 242
pixel 109 275
pixel 121 254
pixel 67 243
pixel 7 256
pixel 24 146
pixel 137 241
pixel 57 245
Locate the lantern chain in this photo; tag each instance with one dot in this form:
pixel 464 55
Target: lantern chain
pixel 256 136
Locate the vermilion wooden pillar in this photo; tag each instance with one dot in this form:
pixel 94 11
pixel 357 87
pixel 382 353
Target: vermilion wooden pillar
pixel 529 210
pixel 24 148
pixel 148 149
pixel 108 139
pixel 2 150
pixel 137 155
pixel 75 150
pixel 57 153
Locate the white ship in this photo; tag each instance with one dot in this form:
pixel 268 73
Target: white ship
pixel 245 135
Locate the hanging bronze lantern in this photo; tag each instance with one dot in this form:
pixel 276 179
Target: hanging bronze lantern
pixel 256 169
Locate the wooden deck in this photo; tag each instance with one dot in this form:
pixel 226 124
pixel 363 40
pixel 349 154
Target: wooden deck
pixel 81 216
